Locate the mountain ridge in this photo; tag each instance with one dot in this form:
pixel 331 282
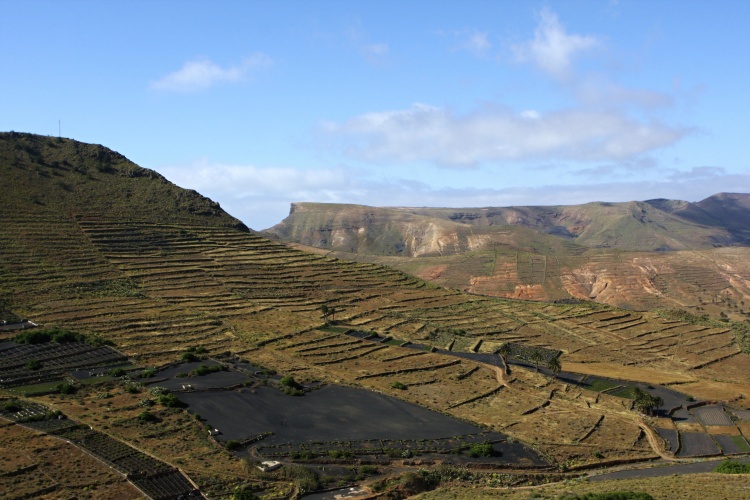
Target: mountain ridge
pixel 652 225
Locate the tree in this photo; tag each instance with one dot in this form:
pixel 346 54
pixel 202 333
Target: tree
pixel 504 351
pixel 645 402
pixel 554 365
pixel 328 312
pixel 536 356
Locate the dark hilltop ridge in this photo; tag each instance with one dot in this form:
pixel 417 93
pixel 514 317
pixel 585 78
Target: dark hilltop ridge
pixel 653 225
pixel 51 174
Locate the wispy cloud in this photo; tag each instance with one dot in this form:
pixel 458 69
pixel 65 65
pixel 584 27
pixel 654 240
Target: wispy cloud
pixel 433 134
pixel 260 196
pixel 201 74
pixel 376 49
pixel 552 49
pixel 474 41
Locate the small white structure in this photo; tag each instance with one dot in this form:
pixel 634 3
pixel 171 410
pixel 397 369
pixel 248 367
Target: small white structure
pixel 214 432
pixel 269 465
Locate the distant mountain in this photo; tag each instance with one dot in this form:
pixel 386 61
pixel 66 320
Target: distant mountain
pixel 655 225
pixel 640 255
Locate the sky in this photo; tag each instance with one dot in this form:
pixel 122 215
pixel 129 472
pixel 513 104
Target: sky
pixel 259 104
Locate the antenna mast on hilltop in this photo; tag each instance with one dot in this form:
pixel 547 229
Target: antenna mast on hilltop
pixel 59 134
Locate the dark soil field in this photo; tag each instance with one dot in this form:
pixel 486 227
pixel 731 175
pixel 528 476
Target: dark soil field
pixel 671 437
pixel 732 445
pixel 696 444
pixel 712 415
pixel 330 413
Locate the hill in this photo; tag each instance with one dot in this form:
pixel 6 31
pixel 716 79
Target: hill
pixel 55 175
pixel 172 283
pixel 618 254
pixel 655 225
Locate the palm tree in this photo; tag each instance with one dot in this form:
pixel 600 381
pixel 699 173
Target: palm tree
pixel 554 365
pixel 645 402
pixel 504 351
pixel 536 356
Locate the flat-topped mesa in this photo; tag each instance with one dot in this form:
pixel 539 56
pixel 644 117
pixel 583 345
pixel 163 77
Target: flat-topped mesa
pixel 654 225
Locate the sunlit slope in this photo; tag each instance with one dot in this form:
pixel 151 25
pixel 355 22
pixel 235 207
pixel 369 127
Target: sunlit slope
pixel 657 225
pixel 49 175
pixel 158 281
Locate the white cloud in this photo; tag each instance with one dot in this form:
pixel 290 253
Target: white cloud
pixel 248 180
pixel 376 49
pixel 552 49
pixel 432 134
pixel 201 74
pixel 479 42
pixel 476 42
pixel 261 196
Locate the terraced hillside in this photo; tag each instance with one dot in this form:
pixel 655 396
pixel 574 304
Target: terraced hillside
pixel 157 282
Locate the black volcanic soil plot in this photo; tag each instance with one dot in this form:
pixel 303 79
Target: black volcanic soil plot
pixel 696 444
pixel 330 413
pixel 732 445
pixel 671 437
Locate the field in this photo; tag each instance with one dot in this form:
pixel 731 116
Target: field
pixel 163 283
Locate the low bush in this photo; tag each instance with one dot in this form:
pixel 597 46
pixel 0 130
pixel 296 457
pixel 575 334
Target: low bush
pixel 33 364
pixel 66 388
pixel 233 445
pixel 610 495
pixel 481 450
pixel 733 467
pixel 148 417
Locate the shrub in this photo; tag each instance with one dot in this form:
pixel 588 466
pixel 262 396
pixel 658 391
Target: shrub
pixel 398 385
pixel 307 480
pixel 189 356
pixel 610 495
pixel 66 388
pixel 132 389
pixel 368 470
pixel 33 364
pixel 117 372
pixel 170 401
pixel 206 370
pixel 148 417
pixel 288 381
pixel 11 407
pixel 481 450
pixel 291 387
pixel 733 467
pixel 233 445
pixel 241 493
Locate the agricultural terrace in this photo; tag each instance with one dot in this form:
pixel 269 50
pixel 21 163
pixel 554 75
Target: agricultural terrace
pixel 156 288
pixel 151 476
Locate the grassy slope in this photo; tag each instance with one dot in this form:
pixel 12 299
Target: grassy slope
pixel 51 175
pixel 156 286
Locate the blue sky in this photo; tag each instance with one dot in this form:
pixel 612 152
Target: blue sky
pixel 485 103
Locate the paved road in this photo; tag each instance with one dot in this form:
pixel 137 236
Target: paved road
pixel 666 470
